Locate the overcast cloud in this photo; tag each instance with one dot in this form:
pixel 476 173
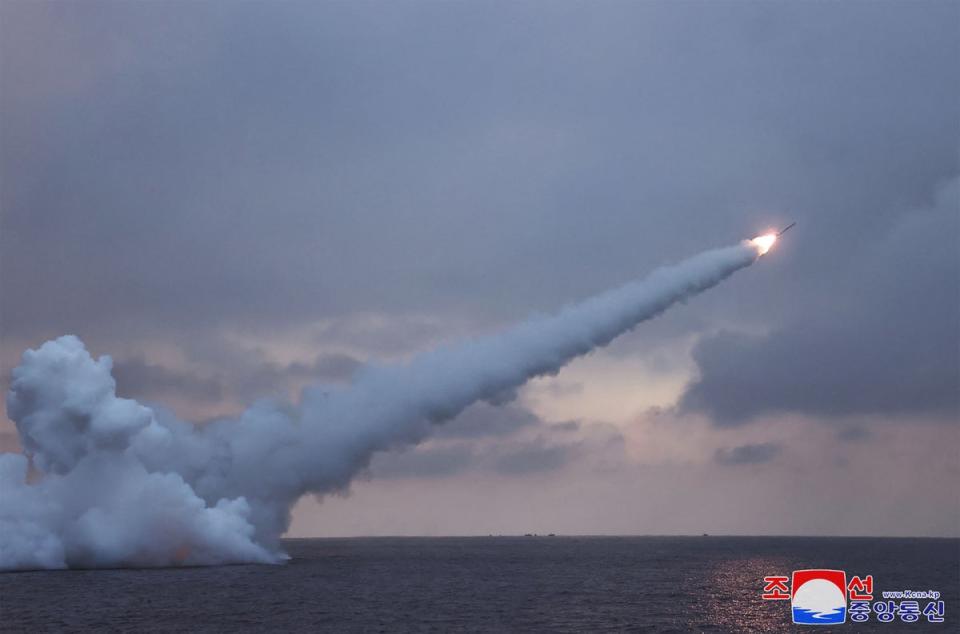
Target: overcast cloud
pixel 234 200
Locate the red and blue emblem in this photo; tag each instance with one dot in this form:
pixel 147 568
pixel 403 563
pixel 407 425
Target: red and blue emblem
pixel 819 597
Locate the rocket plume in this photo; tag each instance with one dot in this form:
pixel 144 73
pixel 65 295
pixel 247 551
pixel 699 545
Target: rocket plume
pixel 121 484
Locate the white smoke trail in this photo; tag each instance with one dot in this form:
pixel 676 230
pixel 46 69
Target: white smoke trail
pixel 121 484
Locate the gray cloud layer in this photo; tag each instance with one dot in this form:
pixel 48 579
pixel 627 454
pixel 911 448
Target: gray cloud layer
pixel 172 171
pixel 507 440
pixel 246 378
pixel 885 341
pixel 138 378
pixel 181 167
pixel 748 454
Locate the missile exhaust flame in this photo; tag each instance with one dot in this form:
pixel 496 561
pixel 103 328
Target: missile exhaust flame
pixel 764 243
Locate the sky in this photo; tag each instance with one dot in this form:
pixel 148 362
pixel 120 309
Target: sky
pixel 235 200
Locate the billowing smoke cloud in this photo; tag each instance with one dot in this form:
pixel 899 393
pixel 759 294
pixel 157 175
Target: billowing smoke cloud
pixel 115 483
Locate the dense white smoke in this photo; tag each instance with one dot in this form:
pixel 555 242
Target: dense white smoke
pixel 115 483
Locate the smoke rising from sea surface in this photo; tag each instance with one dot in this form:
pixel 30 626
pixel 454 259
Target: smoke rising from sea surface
pixel 116 483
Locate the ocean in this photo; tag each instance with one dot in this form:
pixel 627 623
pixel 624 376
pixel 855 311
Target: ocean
pixel 488 584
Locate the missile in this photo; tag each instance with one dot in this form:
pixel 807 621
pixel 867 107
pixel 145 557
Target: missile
pixel 785 229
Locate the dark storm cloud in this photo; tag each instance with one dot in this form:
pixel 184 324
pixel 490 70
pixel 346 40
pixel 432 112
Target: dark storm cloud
pixel 518 458
pixel 265 375
pixel 484 420
pixel 507 440
pixel 435 462
pixel 136 378
pixel 384 335
pixel 329 367
pixel 534 458
pixel 748 454
pixel 884 342
pixel 246 377
pixel 173 169
pixel 853 433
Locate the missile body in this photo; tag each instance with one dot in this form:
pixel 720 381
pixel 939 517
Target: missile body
pixel 785 229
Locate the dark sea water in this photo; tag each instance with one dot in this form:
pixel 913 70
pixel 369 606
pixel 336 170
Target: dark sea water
pixel 496 584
